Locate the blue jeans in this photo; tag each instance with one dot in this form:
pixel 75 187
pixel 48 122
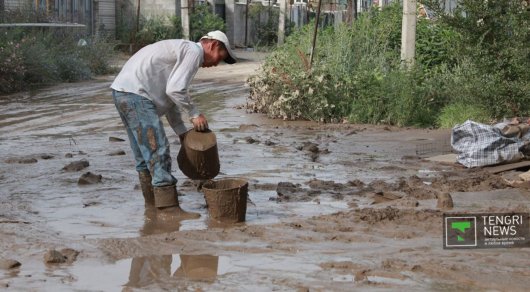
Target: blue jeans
pixel 146 135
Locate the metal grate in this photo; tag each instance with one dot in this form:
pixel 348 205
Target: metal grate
pixel 437 147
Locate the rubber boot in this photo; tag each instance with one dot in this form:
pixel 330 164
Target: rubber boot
pixel 167 204
pixel 147 188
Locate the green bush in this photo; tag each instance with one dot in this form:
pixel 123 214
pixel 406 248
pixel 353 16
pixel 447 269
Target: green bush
pixel 495 39
pixel 457 113
pixel 266 30
pixel 72 68
pixel 33 58
pixel 97 54
pixel 357 74
pixel 202 21
pixel 156 29
pixel 12 69
pixel 39 61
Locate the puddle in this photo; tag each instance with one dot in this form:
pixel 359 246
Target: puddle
pixel 158 270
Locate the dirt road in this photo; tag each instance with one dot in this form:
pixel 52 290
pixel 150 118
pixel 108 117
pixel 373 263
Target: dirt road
pixel 332 207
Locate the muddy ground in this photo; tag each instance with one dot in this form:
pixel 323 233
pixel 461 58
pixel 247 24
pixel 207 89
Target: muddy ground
pixel 331 206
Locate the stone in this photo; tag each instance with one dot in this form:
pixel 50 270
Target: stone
pixel 115 139
pixel 54 257
pixel 7 264
pixel 117 153
pixel 89 178
pixel 76 165
pixel 445 201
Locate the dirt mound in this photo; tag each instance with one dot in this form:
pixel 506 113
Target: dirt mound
pixel 409 217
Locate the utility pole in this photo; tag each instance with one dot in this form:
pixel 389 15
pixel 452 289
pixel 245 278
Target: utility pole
pixel 314 43
pixel 246 22
pixel 351 12
pixel 281 22
pixel 185 19
pixel 408 33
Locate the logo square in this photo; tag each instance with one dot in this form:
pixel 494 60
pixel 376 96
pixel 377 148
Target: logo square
pixel 461 231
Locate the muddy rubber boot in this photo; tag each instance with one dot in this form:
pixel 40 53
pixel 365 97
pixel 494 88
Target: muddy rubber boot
pixel 147 188
pixel 167 204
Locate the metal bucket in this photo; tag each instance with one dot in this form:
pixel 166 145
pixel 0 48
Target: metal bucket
pixel 198 157
pixel 226 199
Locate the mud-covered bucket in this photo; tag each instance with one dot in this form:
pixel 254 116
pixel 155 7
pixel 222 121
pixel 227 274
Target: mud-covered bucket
pixel 226 199
pixel 198 157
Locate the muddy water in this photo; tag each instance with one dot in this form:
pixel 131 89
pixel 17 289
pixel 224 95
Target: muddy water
pixel 331 207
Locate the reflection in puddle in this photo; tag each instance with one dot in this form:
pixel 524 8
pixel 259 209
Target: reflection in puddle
pixel 144 271
pixel 174 270
pixel 151 269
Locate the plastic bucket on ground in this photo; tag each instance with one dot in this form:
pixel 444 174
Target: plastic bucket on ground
pixel 226 199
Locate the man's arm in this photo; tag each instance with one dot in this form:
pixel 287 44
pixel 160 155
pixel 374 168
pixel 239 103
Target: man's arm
pixel 179 80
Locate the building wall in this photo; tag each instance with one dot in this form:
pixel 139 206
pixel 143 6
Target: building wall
pixel 157 7
pixel 17 4
pixel 107 15
pixel 95 14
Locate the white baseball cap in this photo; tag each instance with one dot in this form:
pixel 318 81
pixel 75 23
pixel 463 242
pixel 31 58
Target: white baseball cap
pixel 220 36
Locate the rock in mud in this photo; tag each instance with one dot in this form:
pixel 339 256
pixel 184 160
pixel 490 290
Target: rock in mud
pixel 289 192
pixel 89 178
pixel 308 146
pixel 68 155
pixel 377 215
pixel 408 202
pixel 356 183
pixel 116 139
pixel 76 165
pixel 313 156
pixel 54 257
pixel 383 197
pixel 325 185
pixel 70 254
pixel 251 140
pixel 6 264
pixel 46 156
pixel 445 201
pixel 269 143
pixel 250 127
pixel 22 160
pixel 284 190
pixel 361 277
pixel 312 150
pixel 117 153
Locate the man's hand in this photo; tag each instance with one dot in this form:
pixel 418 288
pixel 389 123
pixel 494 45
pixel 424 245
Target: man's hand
pixel 200 123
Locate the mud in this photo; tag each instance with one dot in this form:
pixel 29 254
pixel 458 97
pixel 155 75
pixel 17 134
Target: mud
pixel 330 206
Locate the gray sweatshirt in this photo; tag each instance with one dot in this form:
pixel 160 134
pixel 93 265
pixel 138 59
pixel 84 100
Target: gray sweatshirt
pixel 162 73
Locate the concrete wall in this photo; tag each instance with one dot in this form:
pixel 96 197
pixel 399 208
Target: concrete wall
pixel 157 7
